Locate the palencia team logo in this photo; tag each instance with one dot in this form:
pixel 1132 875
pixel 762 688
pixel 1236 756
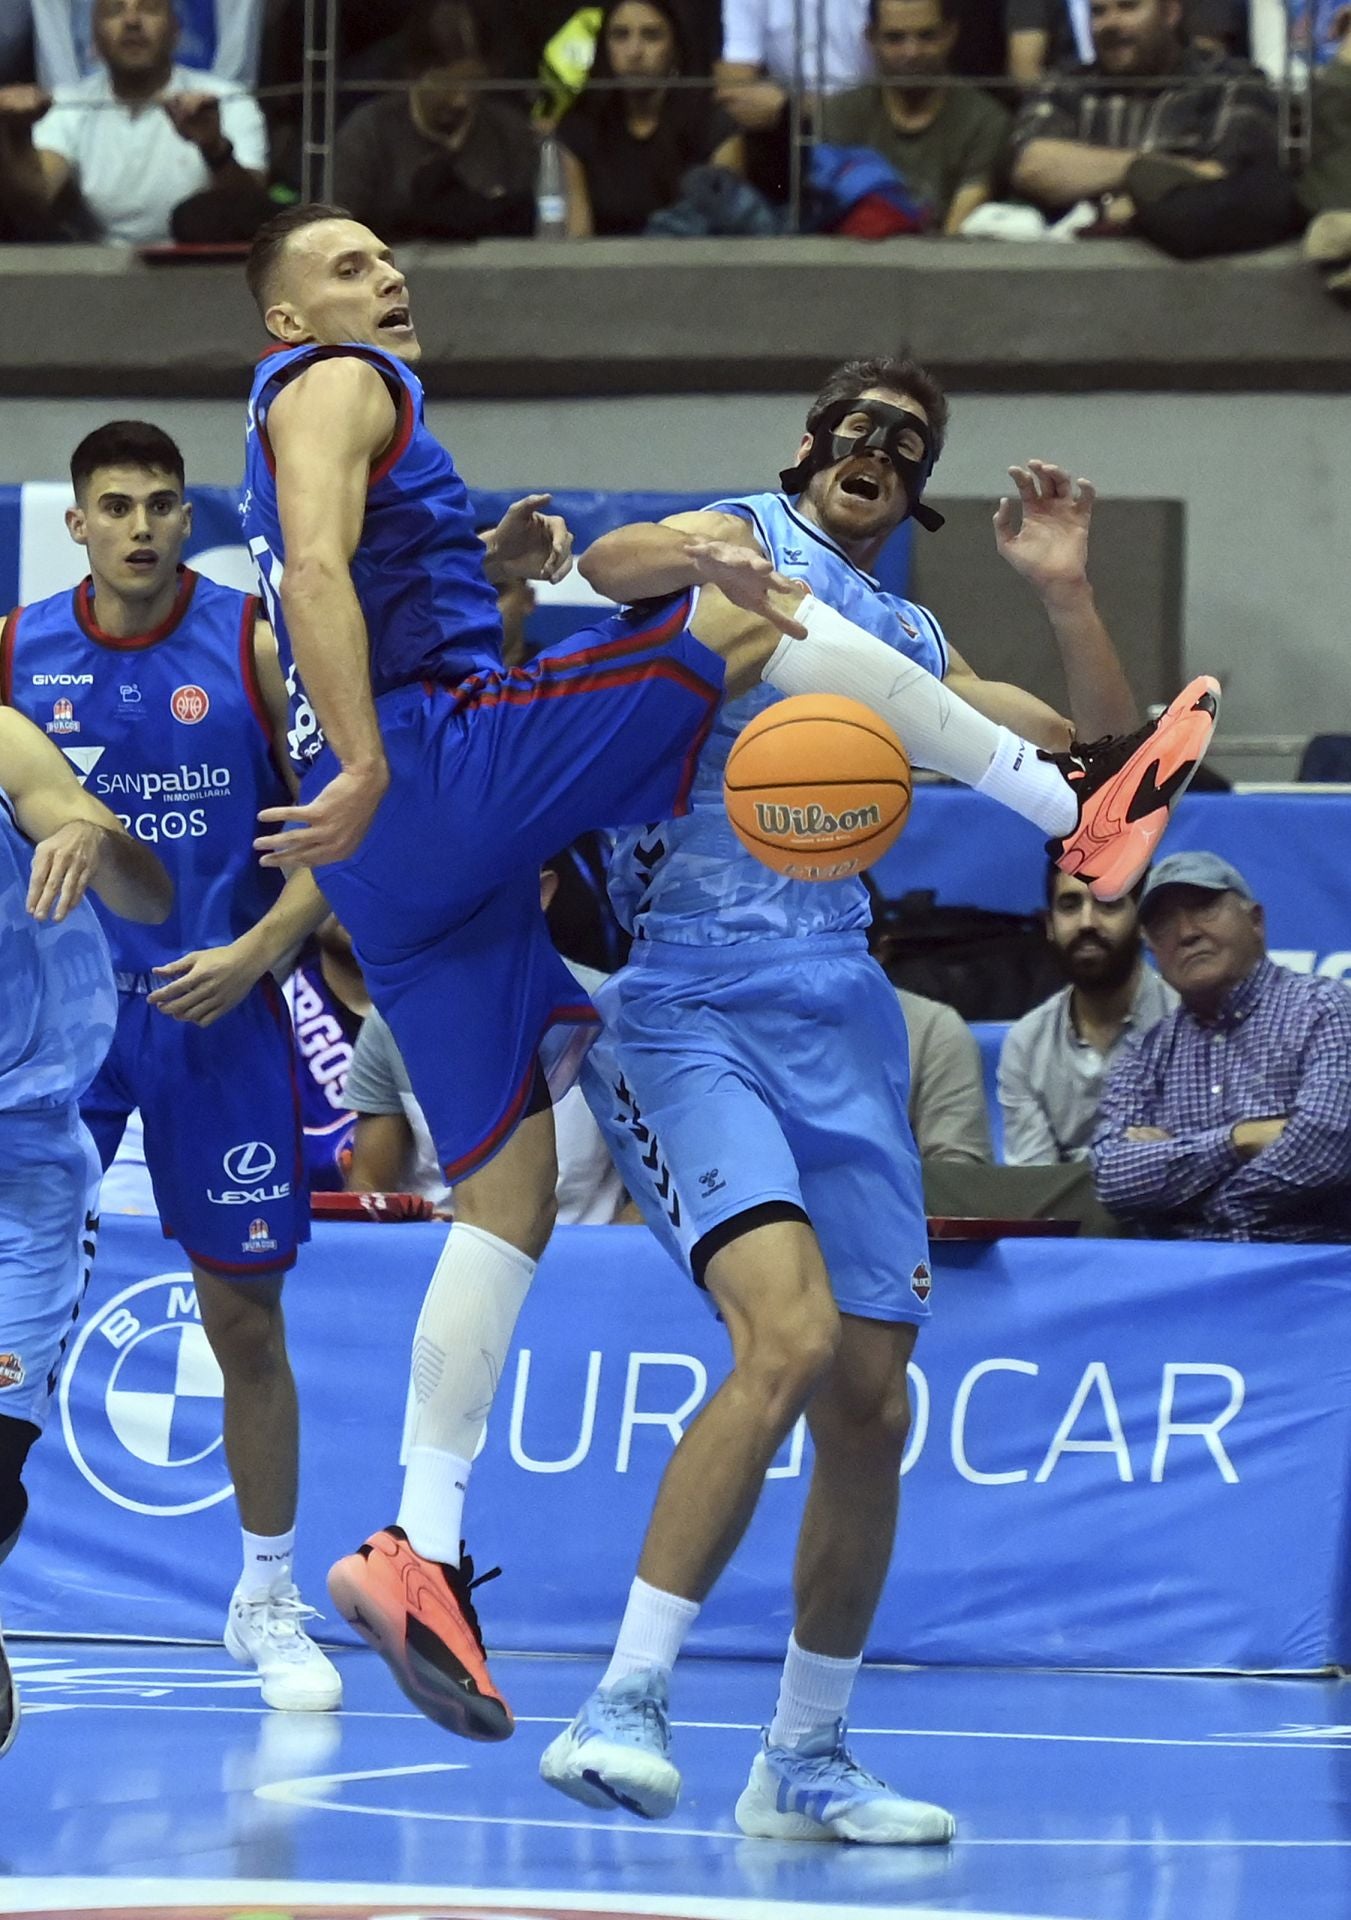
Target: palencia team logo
pixel 142 1400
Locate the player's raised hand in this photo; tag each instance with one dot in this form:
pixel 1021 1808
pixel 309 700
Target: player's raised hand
pixel 746 578
pixel 528 544
pixel 203 985
pixel 330 827
pixel 64 866
pixel 1044 536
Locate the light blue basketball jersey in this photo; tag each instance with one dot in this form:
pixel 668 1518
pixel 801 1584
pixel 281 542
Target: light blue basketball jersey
pixel 690 881
pixel 58 1004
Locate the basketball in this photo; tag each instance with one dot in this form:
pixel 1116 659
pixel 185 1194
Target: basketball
pixel 817 787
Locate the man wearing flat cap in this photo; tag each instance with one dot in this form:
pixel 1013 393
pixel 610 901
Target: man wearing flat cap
pixel 1231 1119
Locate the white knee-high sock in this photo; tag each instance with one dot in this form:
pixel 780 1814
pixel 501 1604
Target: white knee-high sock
pixel 937 729
pixel 463 1335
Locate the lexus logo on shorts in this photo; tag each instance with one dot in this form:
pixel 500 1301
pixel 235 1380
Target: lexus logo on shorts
pixel 250 1163
pixel 189 704
pixel 142 1401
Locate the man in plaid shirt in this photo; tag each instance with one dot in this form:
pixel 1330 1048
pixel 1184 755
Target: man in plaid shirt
pixel 1175 142
pixel 1231 1119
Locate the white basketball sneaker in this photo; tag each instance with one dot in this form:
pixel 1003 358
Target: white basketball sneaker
pixel 816 1790
pixel 616 1753
pixel 266 1632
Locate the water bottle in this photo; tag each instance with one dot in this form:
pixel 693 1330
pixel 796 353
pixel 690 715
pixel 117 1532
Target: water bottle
pixel 551 193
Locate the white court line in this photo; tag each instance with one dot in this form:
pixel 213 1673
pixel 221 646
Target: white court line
pixel 1265 1743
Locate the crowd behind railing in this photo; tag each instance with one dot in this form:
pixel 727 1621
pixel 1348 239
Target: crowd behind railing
pixel 150 122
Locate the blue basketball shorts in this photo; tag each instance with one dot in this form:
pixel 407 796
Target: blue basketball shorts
pixel 728 1077
pixel 488 779
pixel 49 1184
pixel 221 1110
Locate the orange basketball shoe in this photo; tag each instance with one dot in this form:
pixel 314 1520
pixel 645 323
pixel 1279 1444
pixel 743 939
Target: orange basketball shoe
pixel 418 1616
pixel 1127 787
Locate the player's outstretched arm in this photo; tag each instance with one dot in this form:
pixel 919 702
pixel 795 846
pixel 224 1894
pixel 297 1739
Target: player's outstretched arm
pixel 1044 537
pixel 326 430
pixel 649 560
pixel 79 843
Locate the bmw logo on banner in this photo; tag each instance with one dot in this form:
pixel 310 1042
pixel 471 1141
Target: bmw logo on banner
pixel 141 1402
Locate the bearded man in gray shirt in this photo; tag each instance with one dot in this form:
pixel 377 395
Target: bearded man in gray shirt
pixel 1055 1061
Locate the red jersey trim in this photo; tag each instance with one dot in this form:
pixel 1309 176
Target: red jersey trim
pixel 9 639
pixel 398 393
pixel 82 603
pixel 470 1162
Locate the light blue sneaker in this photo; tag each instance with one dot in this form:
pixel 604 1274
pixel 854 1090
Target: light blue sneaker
pixel 615 1752
pixel 816 1790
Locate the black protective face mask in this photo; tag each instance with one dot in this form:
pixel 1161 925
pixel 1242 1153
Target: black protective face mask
pixel 829 447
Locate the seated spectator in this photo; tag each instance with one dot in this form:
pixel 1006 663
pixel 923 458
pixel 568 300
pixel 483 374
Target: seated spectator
pixel 393 1150
pixel 947 1089
pixel 1325 184
pixel 1043 34
pixel 633 145
pixel 1189 162
pixel 945 142
pixel 1055 1060
pixel 1231 1120
pixel 141 139
pixel 443 161
pixel 762 60
pixel 215 36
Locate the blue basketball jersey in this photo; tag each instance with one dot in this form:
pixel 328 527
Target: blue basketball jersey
pixel 690 881
pixel 170 732
pixel 429 610
pixel 58 1005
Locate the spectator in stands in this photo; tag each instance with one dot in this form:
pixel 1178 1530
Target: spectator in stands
pixel 147 143
pixel 393 1151
pixel 1325 184
pixel 761 62
pixel 1189 162
pixel 443 161
pixel 1231 1120
pixel 945 142
pixel 1044 34
pixel 633 145
pixel 1055 1060
pixel 947 1088
pixel 215 36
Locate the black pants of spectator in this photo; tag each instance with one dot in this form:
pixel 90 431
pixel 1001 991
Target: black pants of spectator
pixel 221 215
pixel 1195 219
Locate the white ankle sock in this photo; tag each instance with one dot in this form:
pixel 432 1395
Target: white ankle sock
pixel 268 1560
pixel 1019 778
pixel 463 1335
pixel 937 729
pixel 651 1633
pixel 813 1692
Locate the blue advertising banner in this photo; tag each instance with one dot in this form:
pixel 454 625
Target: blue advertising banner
pixel 1123 1455
pixel 1294 850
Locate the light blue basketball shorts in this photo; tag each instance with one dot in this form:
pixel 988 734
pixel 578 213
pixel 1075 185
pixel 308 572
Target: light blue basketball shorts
pixel 49 1184
pixel 733 1076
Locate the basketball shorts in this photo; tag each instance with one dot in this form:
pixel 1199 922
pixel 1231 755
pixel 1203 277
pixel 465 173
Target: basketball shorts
pixel 487 780
pixel 222 1128
pixel 728 1077
pixel 49 1183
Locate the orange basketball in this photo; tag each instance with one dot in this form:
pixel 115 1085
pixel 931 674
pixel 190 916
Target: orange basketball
pixel 817 787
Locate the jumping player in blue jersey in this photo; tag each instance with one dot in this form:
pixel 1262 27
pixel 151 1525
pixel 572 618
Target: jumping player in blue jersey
pixel 753 1085
pixel 434 782
pixel 58 1006
pixel 165 693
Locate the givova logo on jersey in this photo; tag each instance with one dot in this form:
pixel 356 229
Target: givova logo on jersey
pixel 142 1400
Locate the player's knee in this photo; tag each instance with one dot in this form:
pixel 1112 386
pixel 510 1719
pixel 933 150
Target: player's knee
pixel 246 1330
pixel 868 1422
pixel 785 1354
